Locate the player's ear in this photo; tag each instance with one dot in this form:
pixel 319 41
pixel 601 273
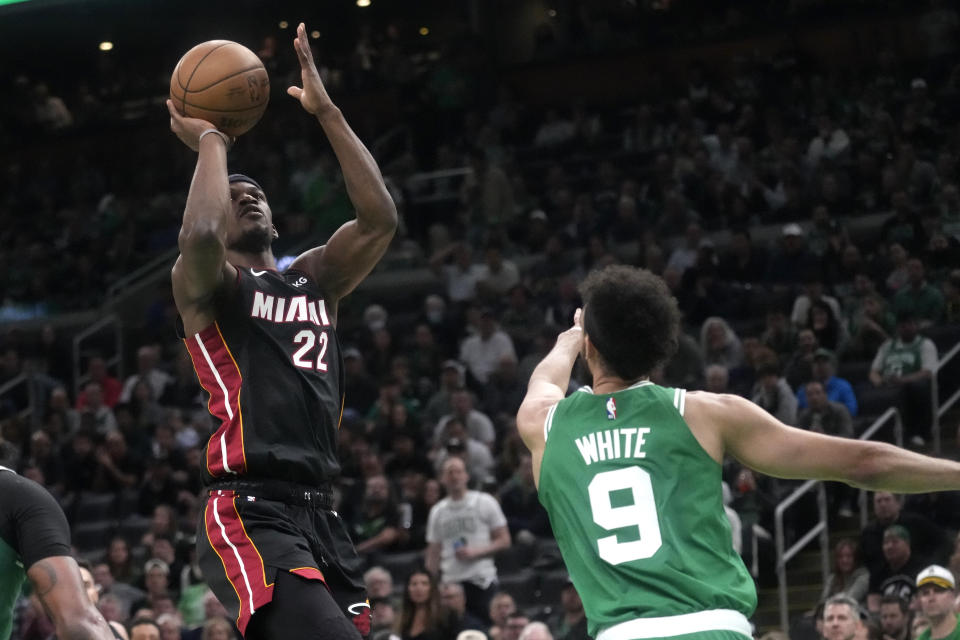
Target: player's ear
pixel 273 232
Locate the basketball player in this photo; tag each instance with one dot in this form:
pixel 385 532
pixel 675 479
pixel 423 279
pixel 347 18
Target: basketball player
pixel 629 471
pixel 264 347
pixel 35 544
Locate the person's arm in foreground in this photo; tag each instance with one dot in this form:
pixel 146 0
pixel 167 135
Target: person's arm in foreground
pixel 548 386
pixel 56 581
pixel 733 425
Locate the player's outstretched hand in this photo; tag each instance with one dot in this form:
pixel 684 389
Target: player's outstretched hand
pixel 573 336
pixel 313 96
pixel 187 129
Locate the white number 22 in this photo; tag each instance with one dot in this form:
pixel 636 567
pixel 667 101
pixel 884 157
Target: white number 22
pixel 306 339
pixel 641 514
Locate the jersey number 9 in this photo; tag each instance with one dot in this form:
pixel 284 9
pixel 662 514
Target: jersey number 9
pixel 641 514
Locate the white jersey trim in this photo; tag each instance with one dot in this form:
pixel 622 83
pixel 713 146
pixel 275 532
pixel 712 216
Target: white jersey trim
pixel 588 389
pixel 548 422
pixel 668 626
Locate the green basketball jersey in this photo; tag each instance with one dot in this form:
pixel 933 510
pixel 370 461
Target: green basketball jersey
pixel 637 509
pixel 12 575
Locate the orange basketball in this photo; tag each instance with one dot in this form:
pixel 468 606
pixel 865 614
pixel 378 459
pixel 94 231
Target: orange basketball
pixel 222 82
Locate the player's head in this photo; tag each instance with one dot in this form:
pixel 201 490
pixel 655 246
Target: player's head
pixel 250 223
pixel 630 321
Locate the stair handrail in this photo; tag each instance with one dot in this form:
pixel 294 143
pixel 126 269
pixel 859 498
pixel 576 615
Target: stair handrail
pixel 115 360
pixel 785 555
pixel 939 410
pixel 821 527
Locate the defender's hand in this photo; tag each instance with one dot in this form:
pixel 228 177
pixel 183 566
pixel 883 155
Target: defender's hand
pixel 573 337
pixel 313 96
pixel 187 129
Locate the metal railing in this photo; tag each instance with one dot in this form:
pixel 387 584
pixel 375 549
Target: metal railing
pixel 142 275
pixel 939 410
pixel 116 360
pixel 24 379
pixel 821 527
pixel 785 555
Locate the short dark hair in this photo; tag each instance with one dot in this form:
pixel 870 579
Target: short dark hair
pixel 631 318
pixel 897 600
pixel 140 621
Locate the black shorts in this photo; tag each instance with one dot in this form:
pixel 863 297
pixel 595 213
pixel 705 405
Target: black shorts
pixel 31 521
pixel 251 531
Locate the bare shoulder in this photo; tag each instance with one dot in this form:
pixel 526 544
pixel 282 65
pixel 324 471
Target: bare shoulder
pixel 708 414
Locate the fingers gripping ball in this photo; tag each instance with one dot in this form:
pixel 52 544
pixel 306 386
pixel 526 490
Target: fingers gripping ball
pixel 221 82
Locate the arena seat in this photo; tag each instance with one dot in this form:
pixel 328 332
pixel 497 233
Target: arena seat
pixel 94 506
pixel 92 534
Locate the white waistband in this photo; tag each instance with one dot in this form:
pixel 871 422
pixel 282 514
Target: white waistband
pixel 666 626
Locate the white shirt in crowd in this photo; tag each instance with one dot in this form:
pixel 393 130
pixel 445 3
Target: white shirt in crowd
pixel 469 521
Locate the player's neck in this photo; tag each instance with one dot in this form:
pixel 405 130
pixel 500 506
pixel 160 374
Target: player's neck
pixel 262 260
pixel 604 382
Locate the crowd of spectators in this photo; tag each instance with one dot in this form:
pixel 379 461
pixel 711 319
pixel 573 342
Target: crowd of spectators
pixel 807 219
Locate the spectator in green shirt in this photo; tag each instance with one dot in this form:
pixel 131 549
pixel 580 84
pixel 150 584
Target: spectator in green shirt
pixel 937 591
pixel 919 296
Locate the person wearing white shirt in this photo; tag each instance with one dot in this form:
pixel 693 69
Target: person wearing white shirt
pixel 479 425
pixel 830 142
pixel 482 351
pixel 464 531
pixel 462 275
pixel 147 358
pixel 496 275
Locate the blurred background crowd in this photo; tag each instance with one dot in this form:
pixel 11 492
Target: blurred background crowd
pixel 789 168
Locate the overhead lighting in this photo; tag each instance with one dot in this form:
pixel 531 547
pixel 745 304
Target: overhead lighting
pixel 106 45
pixel 284 24
pixel 424 31
pixel 315 35
pixel 363 3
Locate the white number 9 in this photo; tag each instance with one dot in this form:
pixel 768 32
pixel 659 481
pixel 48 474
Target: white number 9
pixel 641 514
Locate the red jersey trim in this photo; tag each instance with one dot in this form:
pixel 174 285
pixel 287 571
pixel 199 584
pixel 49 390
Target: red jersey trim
pixel 220 376
pixel 242 563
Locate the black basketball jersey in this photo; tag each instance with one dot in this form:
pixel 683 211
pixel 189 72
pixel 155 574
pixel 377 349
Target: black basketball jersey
pixel 272 366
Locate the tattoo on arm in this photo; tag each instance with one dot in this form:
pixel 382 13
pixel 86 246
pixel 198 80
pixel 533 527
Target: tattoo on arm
pixel 49 580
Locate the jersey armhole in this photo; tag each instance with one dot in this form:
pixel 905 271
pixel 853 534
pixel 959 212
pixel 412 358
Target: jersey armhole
pixel 548 422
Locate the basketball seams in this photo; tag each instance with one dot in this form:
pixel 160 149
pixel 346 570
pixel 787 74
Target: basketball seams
pixel 209 110
pixel 192 73
pixel 232 75
pixel 217 101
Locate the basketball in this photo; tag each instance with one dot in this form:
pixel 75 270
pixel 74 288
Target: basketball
pixel 222 82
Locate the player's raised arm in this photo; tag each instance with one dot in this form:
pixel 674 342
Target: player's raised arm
pixel 764 443
pixel 548 386
pixel 355 248
pixel 202 263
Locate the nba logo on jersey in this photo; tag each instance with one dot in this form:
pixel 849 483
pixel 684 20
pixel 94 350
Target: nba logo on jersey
pixel 611 409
